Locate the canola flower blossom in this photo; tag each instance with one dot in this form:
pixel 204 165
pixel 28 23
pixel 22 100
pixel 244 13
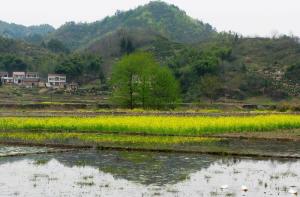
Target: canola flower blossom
pixel 160 125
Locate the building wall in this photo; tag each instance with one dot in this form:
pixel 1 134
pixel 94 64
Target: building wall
pixel 18 78
pixel 57 80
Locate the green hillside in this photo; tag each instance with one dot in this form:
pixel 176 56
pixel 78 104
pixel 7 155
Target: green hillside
pixel 167 20
pixel 258 66
pixel 19 55
pixel 32 34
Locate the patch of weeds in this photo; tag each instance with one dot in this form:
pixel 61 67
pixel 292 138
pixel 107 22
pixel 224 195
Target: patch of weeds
pixel 39 176
pixel 114 170
pixel 207 177
pixel 276 176
pixel 106 185
pixel 183 177
pixel 288 174
pixel 136 157
pixel 218 172
pixel 41 162
pixel 172 191
pixel 266 185
pixel 230 194
pixel 214 193
pixel 80 163
pixel 83 184
pixel 87 177
pixel 285 189
pixel 53 179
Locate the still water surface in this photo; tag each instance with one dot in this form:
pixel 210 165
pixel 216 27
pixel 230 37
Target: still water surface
pixel 114 173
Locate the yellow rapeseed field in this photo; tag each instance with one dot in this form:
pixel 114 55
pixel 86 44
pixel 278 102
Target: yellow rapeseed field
pixel 164 125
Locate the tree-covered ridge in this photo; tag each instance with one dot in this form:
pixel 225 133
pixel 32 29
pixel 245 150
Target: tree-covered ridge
pixel 258 66
pixel 167 20
pixel 31 33
pixel 20 55
pixel 19 47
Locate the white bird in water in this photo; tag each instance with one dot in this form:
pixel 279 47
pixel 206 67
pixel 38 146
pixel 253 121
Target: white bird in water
pixel 224 187
pixel 244 188
pixel 293 191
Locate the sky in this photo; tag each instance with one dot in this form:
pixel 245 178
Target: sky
pixel 247 17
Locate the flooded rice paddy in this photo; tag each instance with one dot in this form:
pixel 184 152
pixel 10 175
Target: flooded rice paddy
pixel 6 151
pixel 118 173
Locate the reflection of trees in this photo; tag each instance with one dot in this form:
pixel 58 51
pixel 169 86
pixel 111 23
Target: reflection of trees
pixel 162 168
pixel 144 168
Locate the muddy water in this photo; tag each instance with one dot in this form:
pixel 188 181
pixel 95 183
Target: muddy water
pixel 113 173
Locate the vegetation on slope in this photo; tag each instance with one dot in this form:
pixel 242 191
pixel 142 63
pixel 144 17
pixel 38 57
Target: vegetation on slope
pixel 167 20
pixel 21 56
pixel 32 34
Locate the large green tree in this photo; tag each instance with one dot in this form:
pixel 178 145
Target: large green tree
pixel 138 80
pixel 165 89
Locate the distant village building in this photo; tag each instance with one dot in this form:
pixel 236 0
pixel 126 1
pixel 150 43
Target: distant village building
pixel 31 82
pixel 18 77
pixel 57 80
pixel 32 79
pixel 72 87
pixel 32 75
pixel 4 78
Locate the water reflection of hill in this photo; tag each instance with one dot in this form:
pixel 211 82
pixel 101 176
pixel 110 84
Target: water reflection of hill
pixel 145 168
pixel 141 167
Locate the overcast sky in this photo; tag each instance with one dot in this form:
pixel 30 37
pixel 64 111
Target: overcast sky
pixel 248 17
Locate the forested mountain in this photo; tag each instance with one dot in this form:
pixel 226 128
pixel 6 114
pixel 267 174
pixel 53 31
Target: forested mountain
pixel 206 63
pixel 244 67
pixel 33 34
pixel 167 20
pixel 22 56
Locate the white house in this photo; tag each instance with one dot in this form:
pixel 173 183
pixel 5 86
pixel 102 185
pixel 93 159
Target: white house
pixel 32 79
pixel 32 75
pixel 4 77
pixel 18 77
pixel 57 80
